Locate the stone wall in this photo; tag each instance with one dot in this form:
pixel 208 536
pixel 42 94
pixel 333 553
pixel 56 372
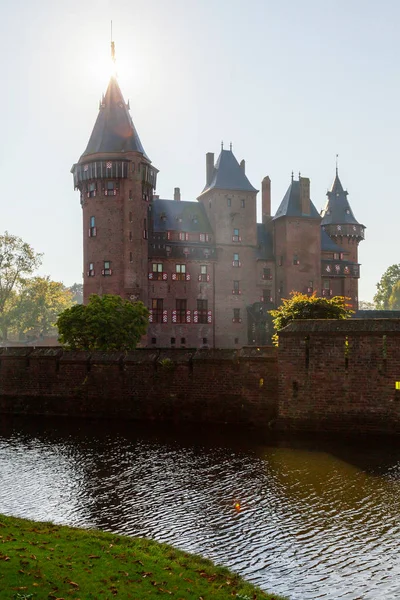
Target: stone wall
pixel 221 386
pixel 340 375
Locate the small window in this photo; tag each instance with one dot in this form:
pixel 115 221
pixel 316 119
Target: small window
pixel 157 267
pixel 236 287
pixel 242 203
pixel 154 340
pixel 267 273
pixel 111 186
pixel 92 189
pixel 229 202
pixel 236 315
pixel 205 341
pixel 327 284
pixel 236 237
pixel 106 268
pixel 130 217
pixel 236 261
pixel 336 256
pixel 181 236
pixel 180 272
pixel 236 340
pixel 92 222
pixel 91 270
pixel 172 341
pixel 280 261
pixel 183 340
pixel 296 259
pixel 92 227
pixel 106 264
pixel 130 257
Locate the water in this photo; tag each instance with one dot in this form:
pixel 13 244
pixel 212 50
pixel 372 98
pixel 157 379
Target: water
pixel 317 519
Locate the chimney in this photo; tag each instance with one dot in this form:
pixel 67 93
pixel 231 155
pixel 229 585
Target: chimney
pixel 209 167
pixel 266 198
pixel 243 165
pixel 305 203
pixel 177 194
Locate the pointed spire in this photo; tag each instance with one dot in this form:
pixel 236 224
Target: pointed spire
pixel 227 173
pixel 337 165
pixel 114 130
pixel 230 146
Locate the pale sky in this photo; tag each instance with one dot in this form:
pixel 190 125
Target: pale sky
pixel 290 83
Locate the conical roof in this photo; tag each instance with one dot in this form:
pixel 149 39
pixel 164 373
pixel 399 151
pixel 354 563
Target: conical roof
pixel 114 130
pixel 337 210
pixel 229 175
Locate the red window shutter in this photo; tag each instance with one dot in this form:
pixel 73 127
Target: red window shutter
pixel 94 231
pixel 209 316
pixel 208 278
pixel 195 316
pixel 90 232
pixel 188 316
pixel 187 276
pixel 174 316
pixel 199 277
pixel 173 276
pixel 150 316
pixel 165 316
pixel 150 275
pixel 165 276
pixel 186 236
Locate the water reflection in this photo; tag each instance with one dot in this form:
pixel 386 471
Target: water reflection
pixel 318 518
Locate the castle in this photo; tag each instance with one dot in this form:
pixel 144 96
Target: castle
pixel 208 272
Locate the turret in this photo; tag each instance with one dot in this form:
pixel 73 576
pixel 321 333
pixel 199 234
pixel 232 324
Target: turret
pixel 116 182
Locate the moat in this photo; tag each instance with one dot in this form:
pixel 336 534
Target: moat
pixel 318 517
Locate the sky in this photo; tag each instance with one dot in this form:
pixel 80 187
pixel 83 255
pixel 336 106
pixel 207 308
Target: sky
pixel 290 84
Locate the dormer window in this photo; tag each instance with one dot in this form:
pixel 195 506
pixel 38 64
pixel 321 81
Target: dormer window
pixel 204 237
pixel 111 188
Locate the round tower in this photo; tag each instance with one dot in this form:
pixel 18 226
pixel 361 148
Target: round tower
pixel 339 222
pixel 116 181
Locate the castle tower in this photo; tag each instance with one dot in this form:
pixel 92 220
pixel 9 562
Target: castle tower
pixel 116 182
pixel 297 242
pixel 229 200
pixel 341 271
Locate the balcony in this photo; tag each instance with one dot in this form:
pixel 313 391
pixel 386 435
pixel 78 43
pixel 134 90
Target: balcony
pixel 332 268
pixel 158 276
pixel 180 277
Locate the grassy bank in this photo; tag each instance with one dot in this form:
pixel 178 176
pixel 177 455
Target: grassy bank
pixel 42 560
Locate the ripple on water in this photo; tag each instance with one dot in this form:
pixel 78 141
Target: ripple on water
pixel 310 525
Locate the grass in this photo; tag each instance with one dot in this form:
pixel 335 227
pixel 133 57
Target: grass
pixel 47 561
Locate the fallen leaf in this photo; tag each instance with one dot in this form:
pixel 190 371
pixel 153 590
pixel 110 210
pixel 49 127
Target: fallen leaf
pixel 76 585
pixel 93 556
pixel 4 557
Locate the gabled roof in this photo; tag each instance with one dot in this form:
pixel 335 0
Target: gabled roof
pixel 229 175
pixel 291 204
pixel 337 208
pixel 171 215
pixel 114 130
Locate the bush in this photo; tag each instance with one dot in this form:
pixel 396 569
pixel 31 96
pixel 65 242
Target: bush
pixel 106 323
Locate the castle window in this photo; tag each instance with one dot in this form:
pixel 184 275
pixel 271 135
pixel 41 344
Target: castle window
pixel 236 237
pixel 172 341
pixel 157 310
pixel 157 273
pixel 236 340
pixel 111 188
pixel 204 237
pixel 327 284
pixel 202 310
pixel 92 227
pixel 242 203
pixel 180 273
pixel 183 236
pixel 154 340
pixel 106 268
pixel 267 273
pixel 236 287
pixel 236 262
pixel 130 236
pixel 183 340
pixel 92 190
pixel 130 217
pixel 90 272
pixel 145 232
pixel 296 259
pixel 280 290
pixel 229 202
pixel 280 261
pixel 205 341
pixel 181 311
pixel 236 316
pixel 310 288
pixel 203 273
pixel 130 257
pixel 266 297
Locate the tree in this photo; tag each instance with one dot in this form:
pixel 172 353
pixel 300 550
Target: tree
pixel 394 299
pixel 390 277
pixel 17 261
pixel 106 323
pixel 365 305
pixel 301 306
pixel 38 305
pixel 77 293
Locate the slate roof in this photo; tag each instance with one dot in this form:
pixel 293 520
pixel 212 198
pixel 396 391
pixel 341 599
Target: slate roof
pixel 171 215
pixel 291 205
pixel 337 208
pixel 114 130
pixel 328 245
pixel 229 175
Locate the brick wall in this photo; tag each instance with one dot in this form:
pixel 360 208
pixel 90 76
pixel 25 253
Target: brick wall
pixel 221 386
pixel 340 375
